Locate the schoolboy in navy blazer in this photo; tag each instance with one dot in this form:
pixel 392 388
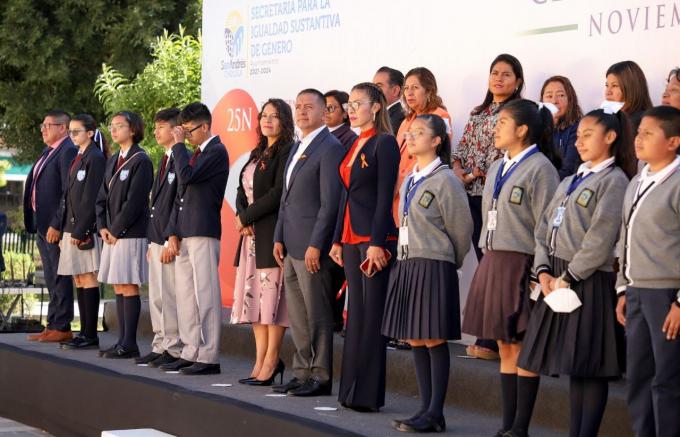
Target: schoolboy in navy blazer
pixel 163 196
pixel 48 179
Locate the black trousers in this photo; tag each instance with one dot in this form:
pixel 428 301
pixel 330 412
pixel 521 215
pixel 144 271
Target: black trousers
pixel 60 288
pixel 337 280
pixel 653 363
pixel 362 381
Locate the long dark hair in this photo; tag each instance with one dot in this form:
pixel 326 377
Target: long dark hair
pixel 633 86
pixel 622 149
pixel 539 122
pixel 429 82
pixel 382 117
pixel 438 126
pixel 519 74
pixel 287 130
pixel 90 125
pixel 573 113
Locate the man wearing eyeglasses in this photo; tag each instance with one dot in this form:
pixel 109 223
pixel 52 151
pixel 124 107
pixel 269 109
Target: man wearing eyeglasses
pixel 43 193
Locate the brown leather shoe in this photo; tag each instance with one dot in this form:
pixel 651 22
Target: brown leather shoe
pixel 39 335
pixel 56 337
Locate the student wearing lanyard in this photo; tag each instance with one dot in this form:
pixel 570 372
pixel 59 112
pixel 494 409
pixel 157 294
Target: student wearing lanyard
pixel 423 304
pixel 575 249
pixel 648 281
pixel 365 232
pixel 521 185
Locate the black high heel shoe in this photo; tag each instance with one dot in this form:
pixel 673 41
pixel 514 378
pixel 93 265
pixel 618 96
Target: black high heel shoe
pixel 246 380
pixel 280 367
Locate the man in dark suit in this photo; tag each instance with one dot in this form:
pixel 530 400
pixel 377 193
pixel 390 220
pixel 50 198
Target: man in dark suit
pixel 45 188
pixel 302 240
pixel 391 82
pixel 195 230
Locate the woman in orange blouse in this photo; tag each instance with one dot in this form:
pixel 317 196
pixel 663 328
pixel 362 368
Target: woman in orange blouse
pixel 366 231
pixel 420 94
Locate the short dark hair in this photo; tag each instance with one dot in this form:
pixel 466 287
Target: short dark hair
pixel 396 77
pixel 60 115
pixel 196 112
pixel 170 115
pixel 668 117
pixel 341 97
pixel 136 124
pixel 314 92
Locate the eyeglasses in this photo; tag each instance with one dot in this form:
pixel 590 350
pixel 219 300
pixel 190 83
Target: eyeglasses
pixel 413 135
pixel 332 108
pixel 117 126
pixel 47 125
pixel 188 132
pixel 354 105
pixel 269 117
pixel 76 132
pixel 674 72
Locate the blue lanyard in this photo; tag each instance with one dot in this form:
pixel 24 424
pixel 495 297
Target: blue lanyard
pixel 501 179
pixel 410 192
pixel 576 181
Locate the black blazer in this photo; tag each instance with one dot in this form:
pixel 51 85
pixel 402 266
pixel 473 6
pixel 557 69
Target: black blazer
pixel 198 205
pixel 309 206
pixel 345 135
pixel 163 194
pixel 397 115
pixel 84 182
pixel 50 189
pixel 264 211
pixel 371 190
pixel 123 200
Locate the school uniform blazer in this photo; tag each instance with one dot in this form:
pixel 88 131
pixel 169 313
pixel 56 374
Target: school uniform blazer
pixel 345 135
pixel 50 189
pixel 264 211
pixel 371 187
pixel 84 182
pixel 201 191
pixel 163 194
pixel 397 115
pixel 123 200
pixel 309 204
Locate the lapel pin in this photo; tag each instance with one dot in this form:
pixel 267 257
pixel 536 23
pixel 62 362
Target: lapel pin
pixel 364 164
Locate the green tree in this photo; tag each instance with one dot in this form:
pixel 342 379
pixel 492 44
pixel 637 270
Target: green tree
pixel 171 79
pixel 51 52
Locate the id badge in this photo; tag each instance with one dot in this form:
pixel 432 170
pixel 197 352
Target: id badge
pixel 559 216
pixel 403 236
pixel 491 220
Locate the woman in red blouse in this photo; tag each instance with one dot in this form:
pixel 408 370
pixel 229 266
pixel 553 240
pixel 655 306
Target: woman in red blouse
pixel 365 231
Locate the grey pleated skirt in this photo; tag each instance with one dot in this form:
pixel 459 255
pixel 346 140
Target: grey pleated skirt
pixel 73 261
pixel 422 301
pixel 124 262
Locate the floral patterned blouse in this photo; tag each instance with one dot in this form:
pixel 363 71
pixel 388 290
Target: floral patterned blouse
pixel 476 147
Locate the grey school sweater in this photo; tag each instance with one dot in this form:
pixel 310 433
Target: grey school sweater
pixel 439 219
pixel 649 245
pixel 588 234
pixel 521 203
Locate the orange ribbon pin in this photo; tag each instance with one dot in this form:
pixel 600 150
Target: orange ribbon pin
pixel 364 164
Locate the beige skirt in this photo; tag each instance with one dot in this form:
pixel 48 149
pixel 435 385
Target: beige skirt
pixel 73 261
pixel 124 262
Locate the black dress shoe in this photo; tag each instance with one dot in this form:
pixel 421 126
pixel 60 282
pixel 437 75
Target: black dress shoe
pixel 278 370
pixel 312 387
pixel 175 365
pixel 397 422
pixel 245 380
pixel 290 385
pixel 146 359
pixel 110 349
pixel 201 369
pixel 423 423
pixel 122 352
pixel 80 343
pixel 165 358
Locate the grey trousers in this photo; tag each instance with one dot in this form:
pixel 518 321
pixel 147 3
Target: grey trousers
pixel 163 304
pixel 310 315
pixel 199 301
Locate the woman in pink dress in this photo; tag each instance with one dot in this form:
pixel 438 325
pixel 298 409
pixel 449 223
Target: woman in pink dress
pixel 258 293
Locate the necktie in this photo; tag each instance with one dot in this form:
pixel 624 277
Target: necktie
pixel 192 161
pixel 121 161
pixel 36 173
pixel 161 172
pixel 79 156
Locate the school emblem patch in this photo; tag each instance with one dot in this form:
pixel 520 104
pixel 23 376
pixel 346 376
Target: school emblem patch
pixel 81 175
pixel 171 177
pixel 124 174
pixel 516 195
pixel 426 199
pixel 584 198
